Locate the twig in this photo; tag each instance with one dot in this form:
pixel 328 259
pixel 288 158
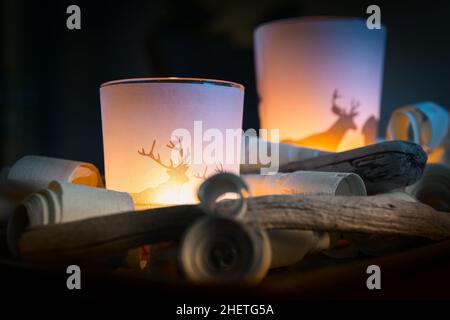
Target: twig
pixel 111 234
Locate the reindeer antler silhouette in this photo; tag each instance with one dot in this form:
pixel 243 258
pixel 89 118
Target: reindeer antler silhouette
pixel 336 95
pixel 354 105
pixel 176 145
pixel 171 145
pixel 334 107
pixel 156 158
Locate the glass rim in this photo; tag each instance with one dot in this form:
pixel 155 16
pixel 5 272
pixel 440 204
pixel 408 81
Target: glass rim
pixel 204 81
pixel 305 19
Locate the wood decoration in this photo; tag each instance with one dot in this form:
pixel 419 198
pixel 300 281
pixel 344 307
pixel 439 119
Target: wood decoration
pixel 97 237
pixel 383 166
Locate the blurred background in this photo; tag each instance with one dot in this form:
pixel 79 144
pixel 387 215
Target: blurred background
pixel 50 76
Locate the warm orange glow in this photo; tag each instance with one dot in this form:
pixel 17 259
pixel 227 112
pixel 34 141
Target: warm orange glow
pixel 166 195
pixel 142 155
pixel 319 81
pixel 436 155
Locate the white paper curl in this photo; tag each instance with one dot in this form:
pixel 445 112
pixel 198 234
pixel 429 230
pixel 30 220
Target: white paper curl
pixel 423 123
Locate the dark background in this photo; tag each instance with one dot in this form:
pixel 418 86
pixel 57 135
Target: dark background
pixel 50 76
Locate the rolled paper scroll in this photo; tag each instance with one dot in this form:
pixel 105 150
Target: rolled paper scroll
pixel 306 182
pixel 65 202
pixel 220 248
pixel 34 173
pixel 220 185
pixel 427 124
pixel 434 187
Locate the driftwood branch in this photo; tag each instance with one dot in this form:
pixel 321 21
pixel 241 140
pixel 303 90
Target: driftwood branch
pixel 383 166
pixel 372 215
pixel 111 234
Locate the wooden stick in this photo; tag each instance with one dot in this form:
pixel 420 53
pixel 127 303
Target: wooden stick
pixel 111 234
pixel 87 239
pixel 383 166
pixel 372 215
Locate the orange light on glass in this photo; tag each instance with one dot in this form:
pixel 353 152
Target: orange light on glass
pixel 143 157
pixel 319 81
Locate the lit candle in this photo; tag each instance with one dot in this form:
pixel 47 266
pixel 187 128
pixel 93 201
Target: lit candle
pixel 163 136
pixel 319 81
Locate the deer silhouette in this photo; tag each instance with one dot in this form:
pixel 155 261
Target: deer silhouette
pixel 177 173
pixel 332 137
